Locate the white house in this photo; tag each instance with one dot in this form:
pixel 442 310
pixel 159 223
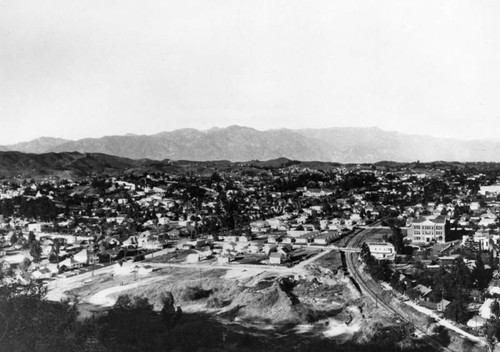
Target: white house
pixel 35 228
pixel 382 250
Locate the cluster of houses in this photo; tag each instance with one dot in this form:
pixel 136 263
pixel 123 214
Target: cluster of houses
pixel 130 214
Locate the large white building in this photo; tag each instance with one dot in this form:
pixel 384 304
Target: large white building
pixel 428 229
pixel 382 250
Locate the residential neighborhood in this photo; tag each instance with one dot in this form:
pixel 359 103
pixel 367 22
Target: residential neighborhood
pixel 433 234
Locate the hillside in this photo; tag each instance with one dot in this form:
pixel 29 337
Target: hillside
pixel 236 143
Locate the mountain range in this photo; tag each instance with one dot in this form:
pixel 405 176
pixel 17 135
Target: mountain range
pixel 237 143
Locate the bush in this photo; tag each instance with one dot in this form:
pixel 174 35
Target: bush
pixel 195 293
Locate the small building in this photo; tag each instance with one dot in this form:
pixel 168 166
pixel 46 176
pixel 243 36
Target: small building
pixel 70 264
pixel 476 322
pixel 288 240
pixel 306 238
pixel 269 247
pixel 255 248
pixel 224 258
pixel 274 238
pixel 423 291
pixel 326 238
pixel 41 274
pixel 441 305
pixel 85 257
pixel 276 258
pixel 448 260
pixel 35 228
pixel 193 258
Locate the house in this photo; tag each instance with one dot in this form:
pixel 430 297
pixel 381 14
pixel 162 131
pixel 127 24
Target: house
pixel 193 258
pixel 131 241
pixel 280 256
pixel 382 250
pixel 493 190
pixel 269 247
pixel 448 260
pixel 255 247
pixel 441 305
pixel 423 291
pixel 476 322
pixel 485 310
pixel 316 192
pixel 276 258
pixel 244 238
pixel 306 238
pixel 274 238
pixel 325 238
pixel 204 252
pixel 35 228
pixel 85 258
pixel 224 258
pixel 289 240
pixel 41 274
pixel 69 264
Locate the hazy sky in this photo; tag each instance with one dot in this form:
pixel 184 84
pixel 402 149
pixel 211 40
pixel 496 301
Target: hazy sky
pixel 89 68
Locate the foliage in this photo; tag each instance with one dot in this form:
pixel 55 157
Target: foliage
pixel 36 251
pixel 495 308
pixel 380 270
pixel 366 255
pixel 457 311
pixel 397 239
pixel 25 264
pixel 481 276
pixel 13 239
pixel 33 324
pixel 194 293
pixel 39 208
pixel 441 335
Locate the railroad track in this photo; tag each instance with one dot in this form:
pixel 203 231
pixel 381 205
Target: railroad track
pixel 357 240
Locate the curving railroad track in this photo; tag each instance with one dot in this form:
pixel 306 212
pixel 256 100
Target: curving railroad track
pixel 369 290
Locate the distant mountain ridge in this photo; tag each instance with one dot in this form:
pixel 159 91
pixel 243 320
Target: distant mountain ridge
pixel 237 143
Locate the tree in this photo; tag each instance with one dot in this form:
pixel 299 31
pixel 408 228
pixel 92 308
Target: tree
pixel 480 274
pixel 31 237
pixel 36 251
pixel 168 312
pixel 457 311
pixel 366 255
pixel 492 332
pixel 440 333
pixel 495 308
pixel 131 322
pixel 380 270
pixel 397 240
pixel 35 324
pixel 13 239
pixel 25 264
pixel 56 249
pixel 413 294
pixel 459 279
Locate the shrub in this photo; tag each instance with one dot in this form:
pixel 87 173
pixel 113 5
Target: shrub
pixel 194 293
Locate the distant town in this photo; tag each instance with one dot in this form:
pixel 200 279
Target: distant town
pixel 419 243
